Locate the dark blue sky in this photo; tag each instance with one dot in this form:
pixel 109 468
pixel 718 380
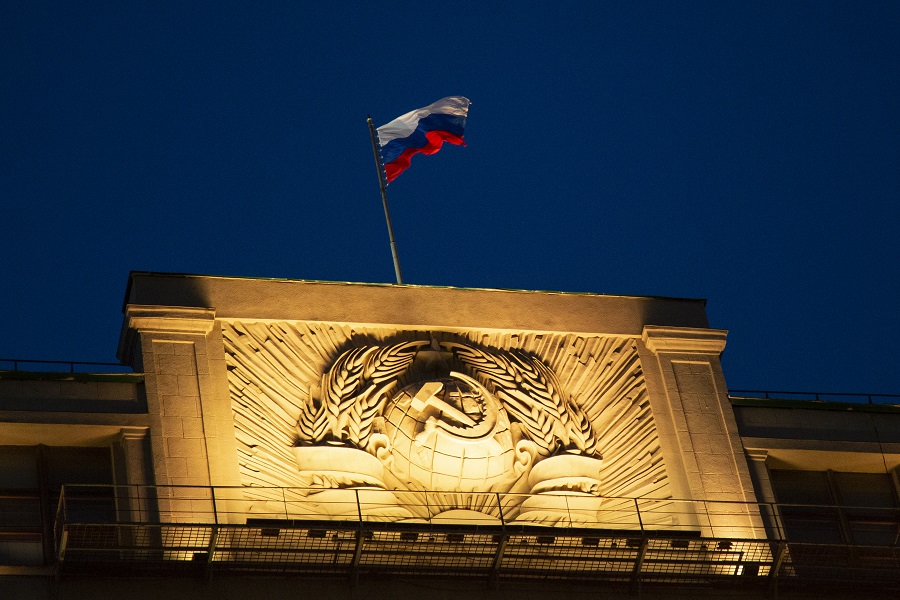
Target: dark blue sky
pixel 747 153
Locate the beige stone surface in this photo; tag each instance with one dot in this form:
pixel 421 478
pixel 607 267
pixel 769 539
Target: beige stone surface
pixel 192 438
pixel 705 428
pixel 417 306
pixel 279 369
pixel 236 370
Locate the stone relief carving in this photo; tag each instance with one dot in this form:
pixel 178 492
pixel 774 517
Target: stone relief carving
pixel 531 392
pixel 353 393
pixel 449 415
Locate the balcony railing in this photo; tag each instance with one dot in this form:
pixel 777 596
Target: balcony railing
pixel 60 366
pixel 629 541
pixel 229 505
pixel 847 398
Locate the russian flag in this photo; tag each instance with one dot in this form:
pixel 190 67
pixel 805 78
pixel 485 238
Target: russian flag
pixel 422 131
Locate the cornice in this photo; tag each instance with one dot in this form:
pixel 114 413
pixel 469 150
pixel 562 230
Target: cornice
pixel 169 319
pixel 172 320
pixel 757 454
pixel 686 340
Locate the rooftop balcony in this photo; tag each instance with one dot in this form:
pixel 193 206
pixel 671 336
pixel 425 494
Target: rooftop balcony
pixel 208 531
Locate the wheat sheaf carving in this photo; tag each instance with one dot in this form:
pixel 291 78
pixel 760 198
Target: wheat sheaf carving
pixel 352 393
pixel 531 392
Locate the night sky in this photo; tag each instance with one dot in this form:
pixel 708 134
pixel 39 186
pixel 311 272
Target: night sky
pixel 746 153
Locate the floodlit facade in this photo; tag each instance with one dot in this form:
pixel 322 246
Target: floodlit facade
pixel 375 438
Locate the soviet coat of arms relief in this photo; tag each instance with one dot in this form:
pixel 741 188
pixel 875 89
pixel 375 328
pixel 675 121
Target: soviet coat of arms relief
pixel 413 426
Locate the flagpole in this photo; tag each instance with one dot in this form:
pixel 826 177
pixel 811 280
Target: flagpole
pixel 383 184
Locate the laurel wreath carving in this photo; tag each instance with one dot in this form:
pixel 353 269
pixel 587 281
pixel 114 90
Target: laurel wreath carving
pixel 352 393
pixel 354 390
pixel 531 392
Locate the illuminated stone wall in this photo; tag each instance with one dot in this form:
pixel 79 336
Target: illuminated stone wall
pixel 589 401
pixel 454 400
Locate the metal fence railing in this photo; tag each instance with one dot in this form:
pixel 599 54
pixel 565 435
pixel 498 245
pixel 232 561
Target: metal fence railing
pixel 849 398
pixel 67 366
pixel 634 541
pixel 222 505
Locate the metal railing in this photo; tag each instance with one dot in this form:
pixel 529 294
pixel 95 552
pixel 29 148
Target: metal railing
pixel 633 541
pixel 221 505
pixel 850 398
pixel 71 366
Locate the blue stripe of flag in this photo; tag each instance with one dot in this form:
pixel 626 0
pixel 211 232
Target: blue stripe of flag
pixel 435 122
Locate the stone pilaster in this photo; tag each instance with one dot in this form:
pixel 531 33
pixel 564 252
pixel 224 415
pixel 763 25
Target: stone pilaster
pixel 765 492
pixel 191 428
pixel 136 500
pixel 705 429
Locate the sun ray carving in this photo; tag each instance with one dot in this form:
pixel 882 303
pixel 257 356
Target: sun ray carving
pixel 294 383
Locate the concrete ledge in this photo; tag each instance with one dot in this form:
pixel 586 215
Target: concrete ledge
pixel 74 393
pixel 412 306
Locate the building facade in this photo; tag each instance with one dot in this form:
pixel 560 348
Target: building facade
pixel 370 437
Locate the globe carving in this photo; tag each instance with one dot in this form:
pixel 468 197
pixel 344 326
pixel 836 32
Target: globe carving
pixel 449 434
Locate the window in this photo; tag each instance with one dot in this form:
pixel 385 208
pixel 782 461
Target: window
pixel 31 478
pixel 830 507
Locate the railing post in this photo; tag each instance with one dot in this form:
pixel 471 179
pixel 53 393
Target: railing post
pixel 59 530
pixel 358 507
pixel 500 510
pixel 639 565
pixel 775 569
pixel 211 550
pixel 61 550
pixel 215 509
pixel 498 560
pixel 357 555
pixel 776 517
pixel 637 510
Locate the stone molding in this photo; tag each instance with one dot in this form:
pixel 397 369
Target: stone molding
pixel 684 340
pixel 162 320
pixel 134 433
pixel 409 306
pixel 168 319
pixel 757 454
